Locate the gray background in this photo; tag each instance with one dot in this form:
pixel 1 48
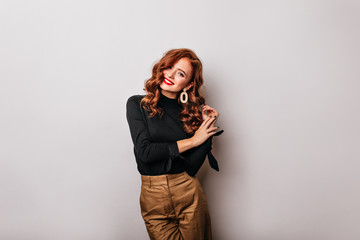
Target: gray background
pixel 284 76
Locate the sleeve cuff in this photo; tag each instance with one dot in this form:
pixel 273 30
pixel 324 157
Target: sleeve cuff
pixel 212 160
pixel 173 153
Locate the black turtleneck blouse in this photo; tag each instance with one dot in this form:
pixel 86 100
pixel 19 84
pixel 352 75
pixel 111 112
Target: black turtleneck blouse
pixel 155 148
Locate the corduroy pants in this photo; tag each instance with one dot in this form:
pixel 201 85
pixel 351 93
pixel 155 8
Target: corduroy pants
pixel 174 207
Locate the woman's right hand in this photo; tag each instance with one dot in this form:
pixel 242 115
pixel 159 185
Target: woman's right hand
pixel 206 130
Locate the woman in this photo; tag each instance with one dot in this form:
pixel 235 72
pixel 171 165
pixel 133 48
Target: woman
pixel 172 135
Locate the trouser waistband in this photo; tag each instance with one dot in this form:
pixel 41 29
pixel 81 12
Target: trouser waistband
pixel 163 179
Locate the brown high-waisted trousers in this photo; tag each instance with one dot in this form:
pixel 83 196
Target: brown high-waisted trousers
pixel 174 206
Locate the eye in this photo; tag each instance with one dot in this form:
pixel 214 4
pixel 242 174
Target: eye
pixel 181 74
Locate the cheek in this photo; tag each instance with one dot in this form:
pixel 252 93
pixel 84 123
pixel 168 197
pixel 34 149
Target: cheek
pixel 182 82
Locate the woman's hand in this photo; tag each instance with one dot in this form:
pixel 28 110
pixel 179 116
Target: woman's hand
pixel 205 131
pixel 208 112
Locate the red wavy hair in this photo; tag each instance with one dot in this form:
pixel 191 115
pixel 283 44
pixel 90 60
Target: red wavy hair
pixel 190 114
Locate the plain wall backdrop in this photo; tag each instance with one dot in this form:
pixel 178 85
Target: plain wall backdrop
pixel 284 76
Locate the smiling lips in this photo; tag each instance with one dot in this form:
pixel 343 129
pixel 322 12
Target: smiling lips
pixel 167 81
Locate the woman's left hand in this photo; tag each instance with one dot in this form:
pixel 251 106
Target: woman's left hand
pixel 208 112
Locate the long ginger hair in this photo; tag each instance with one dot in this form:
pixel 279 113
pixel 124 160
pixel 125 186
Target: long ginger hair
pixel 190 114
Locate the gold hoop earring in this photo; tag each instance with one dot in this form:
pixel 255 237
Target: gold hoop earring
pixel 185 95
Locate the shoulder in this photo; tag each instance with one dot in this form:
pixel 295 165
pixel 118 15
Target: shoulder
pixel 134 99
pixel 133 102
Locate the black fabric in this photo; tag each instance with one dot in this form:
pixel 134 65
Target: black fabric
pixel 155 148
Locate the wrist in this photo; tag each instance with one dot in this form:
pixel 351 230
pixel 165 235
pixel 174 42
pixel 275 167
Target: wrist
pixel 193 142
pixel 186 144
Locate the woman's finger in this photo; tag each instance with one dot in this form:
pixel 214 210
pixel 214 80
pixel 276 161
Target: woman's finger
pixel 213 123
pixel 209 121
pixel 209 109
pixel 212 111
pixel 212 129
pixel 212 133
pixel 204 122
pixel 206 106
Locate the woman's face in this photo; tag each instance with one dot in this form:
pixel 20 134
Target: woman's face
pixel 176 78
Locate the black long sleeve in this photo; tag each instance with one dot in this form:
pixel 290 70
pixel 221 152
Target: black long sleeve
pixel 155 138
pixel 195 157
pixel 147 151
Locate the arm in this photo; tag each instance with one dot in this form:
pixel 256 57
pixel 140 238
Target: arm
pixel 185 144
pixel 147 151
pixel 195 157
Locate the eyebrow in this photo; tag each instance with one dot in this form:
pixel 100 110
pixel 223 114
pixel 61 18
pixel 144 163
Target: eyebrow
pixel 182 70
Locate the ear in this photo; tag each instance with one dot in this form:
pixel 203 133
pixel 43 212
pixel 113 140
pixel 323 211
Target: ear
pixel 189 86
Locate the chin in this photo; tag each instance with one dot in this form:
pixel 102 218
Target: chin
pixel 166 87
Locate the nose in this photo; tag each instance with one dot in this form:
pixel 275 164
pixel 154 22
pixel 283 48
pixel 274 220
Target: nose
pixel 171 74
